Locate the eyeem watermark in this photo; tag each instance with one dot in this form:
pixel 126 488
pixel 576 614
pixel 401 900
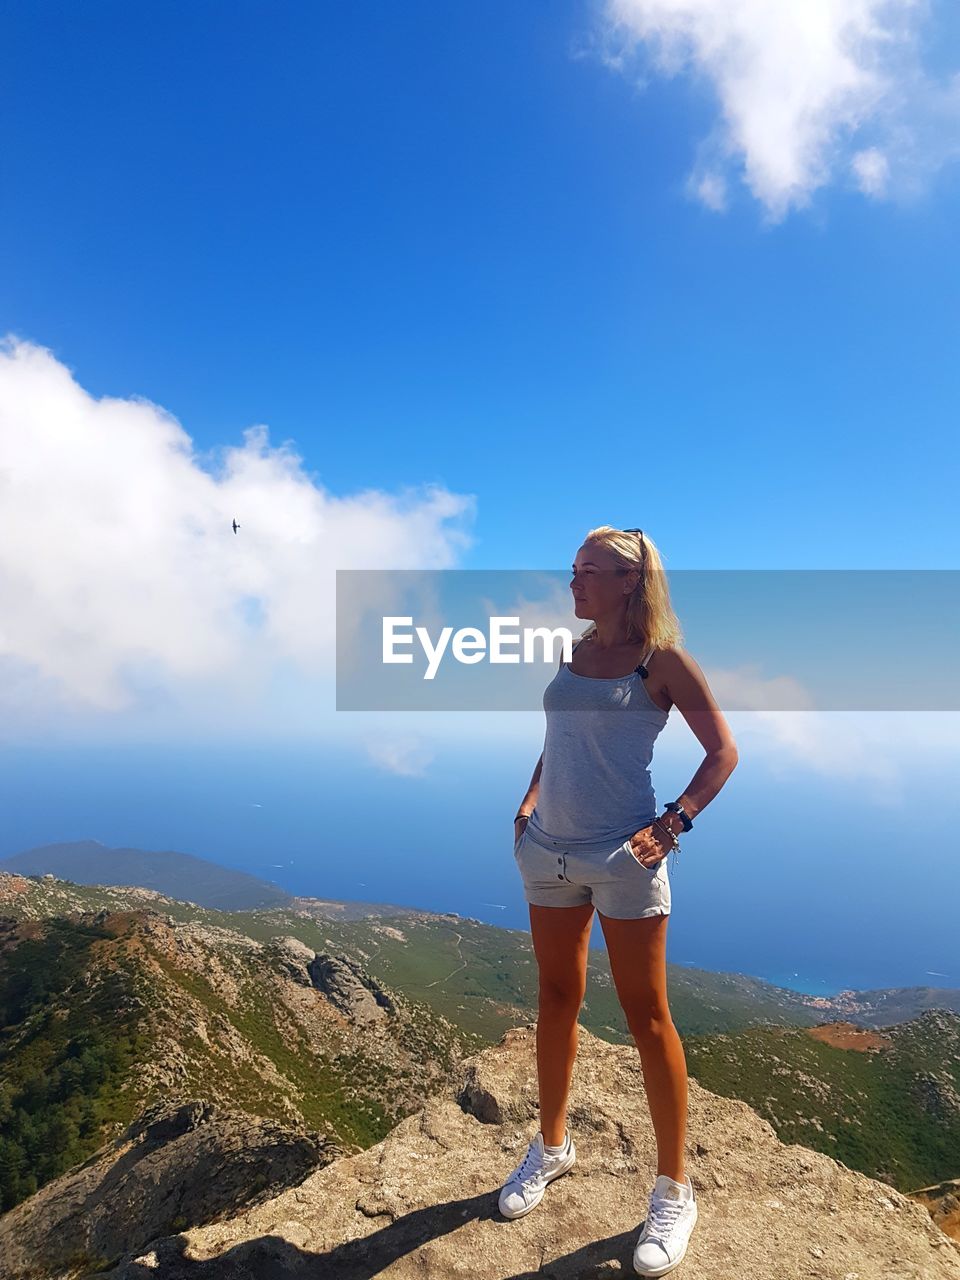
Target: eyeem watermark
pixel 767 639
pixel 470 645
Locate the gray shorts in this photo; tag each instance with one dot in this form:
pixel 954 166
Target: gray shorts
pixel 615 882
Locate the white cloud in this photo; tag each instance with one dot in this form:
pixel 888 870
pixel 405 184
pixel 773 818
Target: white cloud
pixel 834 745
pixel 125 590
pixel 132 610
pixel 403 754
pixel 710 189
pixel 887 754
pixel 805 92
pixel 881 754
pixel 872 171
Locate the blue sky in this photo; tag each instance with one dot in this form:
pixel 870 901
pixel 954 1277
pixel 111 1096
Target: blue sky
pixel 450 232
pixel 445 286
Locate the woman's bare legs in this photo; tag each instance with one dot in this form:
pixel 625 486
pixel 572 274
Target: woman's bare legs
pixel 637 950
pixel 561 937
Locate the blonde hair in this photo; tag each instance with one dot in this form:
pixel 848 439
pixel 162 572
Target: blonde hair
pixel 650 616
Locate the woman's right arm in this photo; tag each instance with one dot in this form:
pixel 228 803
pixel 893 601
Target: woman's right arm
pixel 528 803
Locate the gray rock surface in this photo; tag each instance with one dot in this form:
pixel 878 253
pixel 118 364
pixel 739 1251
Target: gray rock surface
pixel 177 1166
pixel 423 1202
pixel 349 988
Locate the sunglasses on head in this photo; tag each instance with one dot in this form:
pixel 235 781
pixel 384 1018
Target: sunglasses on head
pixel 643 548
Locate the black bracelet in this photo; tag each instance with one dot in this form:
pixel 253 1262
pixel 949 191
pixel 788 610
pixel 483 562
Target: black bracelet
pixel 676 807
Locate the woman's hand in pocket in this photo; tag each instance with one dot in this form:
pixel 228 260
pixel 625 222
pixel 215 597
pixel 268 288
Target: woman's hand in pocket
pixel 649 845
pixel 519 826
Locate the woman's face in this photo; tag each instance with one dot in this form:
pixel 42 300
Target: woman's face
pixel 597 589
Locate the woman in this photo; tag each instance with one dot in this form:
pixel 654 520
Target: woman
pixel 588 835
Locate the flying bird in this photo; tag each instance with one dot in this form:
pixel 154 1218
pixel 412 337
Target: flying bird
pixel 235 526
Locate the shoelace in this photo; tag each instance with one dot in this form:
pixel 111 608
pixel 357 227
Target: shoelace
pixel 528 1179
pixel 661 1218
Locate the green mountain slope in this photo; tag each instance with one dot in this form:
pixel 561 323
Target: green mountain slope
pixel 343 1017
pixel 104 1014
pixel 884 1102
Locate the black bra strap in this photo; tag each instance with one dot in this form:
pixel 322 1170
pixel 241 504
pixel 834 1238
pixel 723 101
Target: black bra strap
pixel 642 667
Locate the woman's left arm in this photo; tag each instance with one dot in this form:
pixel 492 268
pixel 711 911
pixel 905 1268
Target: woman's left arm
pixel 686 686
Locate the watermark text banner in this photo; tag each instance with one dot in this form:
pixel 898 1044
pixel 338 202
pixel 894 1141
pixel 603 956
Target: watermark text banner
pixel 767 640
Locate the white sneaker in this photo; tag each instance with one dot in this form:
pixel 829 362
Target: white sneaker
pixel 671 1216
pixel 524 1189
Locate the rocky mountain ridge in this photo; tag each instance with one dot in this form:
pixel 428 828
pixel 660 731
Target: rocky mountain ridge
pixel 422 1202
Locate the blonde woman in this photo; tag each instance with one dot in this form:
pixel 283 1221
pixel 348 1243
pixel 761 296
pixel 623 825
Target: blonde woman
pixel 588 835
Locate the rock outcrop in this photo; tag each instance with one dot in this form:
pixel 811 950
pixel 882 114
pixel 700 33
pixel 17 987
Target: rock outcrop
pixel 423 1202
pixel 350 989
pixel 177 1166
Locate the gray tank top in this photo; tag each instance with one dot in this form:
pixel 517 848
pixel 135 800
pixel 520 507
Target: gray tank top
pixel 595 784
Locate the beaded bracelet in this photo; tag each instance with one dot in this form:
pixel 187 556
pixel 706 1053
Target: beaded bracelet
pixel 673 839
